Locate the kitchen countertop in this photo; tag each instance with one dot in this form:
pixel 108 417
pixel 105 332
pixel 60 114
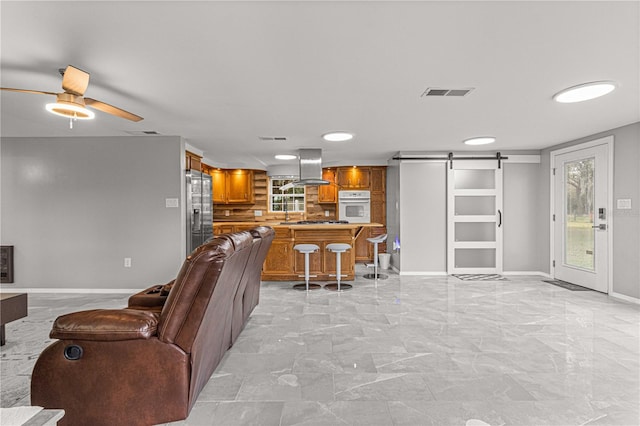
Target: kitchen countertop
pixel 294 225
pixel 328 225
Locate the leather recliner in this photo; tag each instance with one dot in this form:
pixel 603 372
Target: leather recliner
pixel 140 366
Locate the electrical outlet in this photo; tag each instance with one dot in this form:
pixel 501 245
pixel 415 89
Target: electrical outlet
pixel 257 213
pixel 226 213
pixel 326 213
pixel 127 262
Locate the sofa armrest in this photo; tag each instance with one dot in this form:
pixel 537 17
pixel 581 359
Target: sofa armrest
pixel 152 297
pixel 105 325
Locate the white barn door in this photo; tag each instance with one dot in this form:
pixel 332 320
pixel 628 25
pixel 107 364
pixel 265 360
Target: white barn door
pixel 474 217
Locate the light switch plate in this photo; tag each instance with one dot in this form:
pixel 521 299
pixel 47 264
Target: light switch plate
pixel 623 203
pixel 171 203
pixel 257 213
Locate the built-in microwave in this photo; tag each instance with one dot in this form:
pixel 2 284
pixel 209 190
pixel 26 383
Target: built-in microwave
pixel 354 206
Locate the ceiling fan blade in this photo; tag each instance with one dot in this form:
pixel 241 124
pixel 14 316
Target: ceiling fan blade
pixel 75 81
pixel 110 109
pixel 37 92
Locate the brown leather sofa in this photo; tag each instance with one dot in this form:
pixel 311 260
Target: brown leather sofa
pixel 248 293
pixel 147 363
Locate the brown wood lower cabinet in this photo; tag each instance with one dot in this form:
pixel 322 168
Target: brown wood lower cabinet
pixel 283 263
pixel 223 229
pixel 364 249
pixel 323 262
pixel 278 262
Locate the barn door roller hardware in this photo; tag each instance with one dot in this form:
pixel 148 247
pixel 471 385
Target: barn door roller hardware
pixel 498 157
pixel 450 157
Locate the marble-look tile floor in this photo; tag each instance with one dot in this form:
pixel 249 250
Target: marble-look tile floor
pixel 402 351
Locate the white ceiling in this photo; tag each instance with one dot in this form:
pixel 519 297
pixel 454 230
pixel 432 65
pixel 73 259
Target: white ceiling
pixel 222 74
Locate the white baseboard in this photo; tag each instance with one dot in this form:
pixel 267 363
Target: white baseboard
pixel 625 298
pixel 430 273
pixel 74 290
pixel 442 273
pixel 542 274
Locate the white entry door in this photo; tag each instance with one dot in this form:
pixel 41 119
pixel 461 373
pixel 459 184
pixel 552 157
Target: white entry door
pixel 475 214
pixel 581 213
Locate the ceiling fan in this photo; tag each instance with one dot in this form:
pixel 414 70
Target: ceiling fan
pixel 71 103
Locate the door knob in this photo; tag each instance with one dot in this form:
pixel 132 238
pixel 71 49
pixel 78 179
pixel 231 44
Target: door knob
pixel 602 227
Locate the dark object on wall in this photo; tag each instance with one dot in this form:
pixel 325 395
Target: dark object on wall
pixel 6 264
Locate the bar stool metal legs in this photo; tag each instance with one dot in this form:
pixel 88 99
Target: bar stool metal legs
pixel 375 241
pixel 306 249
pixel 338 249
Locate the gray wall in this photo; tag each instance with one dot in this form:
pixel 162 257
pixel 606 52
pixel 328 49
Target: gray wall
pixel 520 220
pixel 626 223
pixel 74 208
pixel 423 217
pixel 393 212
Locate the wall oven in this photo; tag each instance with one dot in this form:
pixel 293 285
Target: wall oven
pixel 354 206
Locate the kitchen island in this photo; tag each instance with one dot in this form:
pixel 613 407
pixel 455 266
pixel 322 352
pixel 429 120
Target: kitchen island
pixel 283 263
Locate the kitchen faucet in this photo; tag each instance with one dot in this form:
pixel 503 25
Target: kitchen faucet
pixel 286 211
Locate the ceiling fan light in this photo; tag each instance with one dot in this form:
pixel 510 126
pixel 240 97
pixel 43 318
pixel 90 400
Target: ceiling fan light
pixel 337 136
pixel 68 110
pixel 482 140
pixel 584 92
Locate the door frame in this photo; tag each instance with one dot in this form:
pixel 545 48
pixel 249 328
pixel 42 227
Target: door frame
pixel 608 141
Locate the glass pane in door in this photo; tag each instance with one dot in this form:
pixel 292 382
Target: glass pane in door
pixel 474 179
pixel 579 233
pixel 475 205
pixel 475 258
pixel 475 231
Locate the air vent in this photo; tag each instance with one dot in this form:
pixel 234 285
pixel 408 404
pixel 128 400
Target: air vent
pixel 142 132
pixel 433 91
pixel 272 138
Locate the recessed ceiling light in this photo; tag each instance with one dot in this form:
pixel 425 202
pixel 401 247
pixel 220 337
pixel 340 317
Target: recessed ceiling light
pixel 584 92
pixel 286 157
pixel 337 136
pixel 483 140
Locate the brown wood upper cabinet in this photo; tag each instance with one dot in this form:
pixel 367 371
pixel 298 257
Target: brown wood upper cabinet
pixel 378 179
pixel 232 186
pixel 328 193
pixel 354 177
pixel 193 161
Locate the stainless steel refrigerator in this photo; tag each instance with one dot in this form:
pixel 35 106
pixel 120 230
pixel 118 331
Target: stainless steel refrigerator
pixel 199 209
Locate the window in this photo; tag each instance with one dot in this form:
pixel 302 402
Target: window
pixel 289 200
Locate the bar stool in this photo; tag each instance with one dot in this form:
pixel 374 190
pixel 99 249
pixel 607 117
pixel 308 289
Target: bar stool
pixel 306 249
pixel 338 249
pixel 376 240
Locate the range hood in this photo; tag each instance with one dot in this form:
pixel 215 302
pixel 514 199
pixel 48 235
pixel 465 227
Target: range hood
pixel 310 167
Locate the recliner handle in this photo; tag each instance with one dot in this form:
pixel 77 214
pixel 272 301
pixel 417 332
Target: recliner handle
pixel 73 352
